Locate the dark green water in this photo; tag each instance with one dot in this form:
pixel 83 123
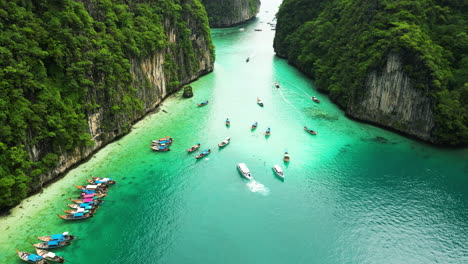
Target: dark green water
pixel 352 194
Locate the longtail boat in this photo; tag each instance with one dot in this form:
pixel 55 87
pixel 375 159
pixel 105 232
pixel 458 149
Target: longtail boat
pixel 77 216
pixel 315 99
pixel 268 132
pixel 167 141
pixel 95 195
pixel 310 131
pixel 65 236
pixel 80 210
pixel 203 103
pixel 31 258
pixel 254 126
pixel 52 244
pixel 98 180
pixel 98 188
pixel 203 154
pixel 225 142
pixel 86 206
pixel 160 148
pixel 228 122
pixel 51 256
pixel 193 148
pixel 87 200
pixel 286 156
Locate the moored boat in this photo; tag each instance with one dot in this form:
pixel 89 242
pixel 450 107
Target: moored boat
pixel 310 131
pixel 278 171
pixel 203 103
pixel 160 148
pixel 259 102
pixel 87 200
pixel 254 126
pixel 52 244
pixel 203 154
pixel 97 188
pixel 98 180
pixel 244 171
pixel 80 210
pixel 87 206
pixel 65 236
pixel 225 142
pixel 286 156
pixel 167 141
pixel 228 122
pixel 193 148
pixel 31 258
pixel 51 256
pixel 315 99
pixel 77 216
pixel 268 132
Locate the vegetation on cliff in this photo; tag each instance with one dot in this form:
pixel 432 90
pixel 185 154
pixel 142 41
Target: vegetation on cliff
pixel 62 60
pixel 226 13
pixel 338 42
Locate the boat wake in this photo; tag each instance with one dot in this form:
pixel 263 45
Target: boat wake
pixel 257 187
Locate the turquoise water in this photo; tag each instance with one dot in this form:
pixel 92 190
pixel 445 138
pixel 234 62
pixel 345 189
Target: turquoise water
pixel 352 194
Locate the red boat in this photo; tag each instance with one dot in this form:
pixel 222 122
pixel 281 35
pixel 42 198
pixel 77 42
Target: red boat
pixel 193 148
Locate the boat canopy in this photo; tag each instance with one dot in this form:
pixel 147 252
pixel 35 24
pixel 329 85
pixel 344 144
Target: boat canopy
pixel 78 214
pixel 34 257
pixel 89 191
pixel 80 210
pixel 162 147
pixel 278 168
pixel 88 200
pixel 243 168
pixel 84 204
pixel 88 195
pixel 65 233
pixel 50 255
pixel 53 243
pixel 57 237
pixel 92 187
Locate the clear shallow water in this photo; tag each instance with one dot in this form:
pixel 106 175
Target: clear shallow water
pixel 352 194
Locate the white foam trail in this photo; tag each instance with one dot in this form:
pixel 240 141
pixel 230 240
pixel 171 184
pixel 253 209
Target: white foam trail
pixel 207 158
pixel 257 187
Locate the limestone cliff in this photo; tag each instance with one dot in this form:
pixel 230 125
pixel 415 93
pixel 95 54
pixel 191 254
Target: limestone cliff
pixel 77 74
pixel 390 100
pixel 227 13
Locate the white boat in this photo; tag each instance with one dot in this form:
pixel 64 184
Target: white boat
pixel 278 171
pixel 244 170
pixel 225 142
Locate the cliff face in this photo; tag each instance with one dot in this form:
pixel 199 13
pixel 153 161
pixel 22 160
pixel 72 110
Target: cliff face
pixel 390 63
pixel 77 74
pixel 227 13
pixel 389 99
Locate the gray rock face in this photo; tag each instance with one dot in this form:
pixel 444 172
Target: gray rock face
pixel 227 13
pixel 389 99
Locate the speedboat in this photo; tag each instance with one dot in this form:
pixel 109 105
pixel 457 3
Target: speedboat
pixel 203 154
pixel 315 99
pixel 310 131
pixel 225 142
pixel 244 170
pixel 278 171
pixel 259 102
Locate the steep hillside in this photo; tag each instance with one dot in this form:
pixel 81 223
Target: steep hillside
pixel 227 13
pixel 396 63
pixel 74 75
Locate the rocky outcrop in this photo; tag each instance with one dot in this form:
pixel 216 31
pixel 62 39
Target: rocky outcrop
pixel 390 100
pixel 227 13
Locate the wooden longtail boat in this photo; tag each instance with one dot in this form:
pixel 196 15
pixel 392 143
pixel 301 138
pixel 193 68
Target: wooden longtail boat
pixel 228 122
pixel 87 200
pixel 254 126
pixel 193 148
pixel 51 244
pixel 286 157
pixel 167 141
pixel 268 132
pixel 98 180
pixel 77 216
pixel 310 131
pixel 203 154
pixel 97 188
pixel 84 205
pixel 65 236
pixel 160 148
pixel 50 256
pixel 31 258
pixel 225 142
pixel 203 103
pixel 80 210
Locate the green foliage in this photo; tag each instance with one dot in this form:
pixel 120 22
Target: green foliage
pixel 222 13
pixel 339 42
pixel 61 61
